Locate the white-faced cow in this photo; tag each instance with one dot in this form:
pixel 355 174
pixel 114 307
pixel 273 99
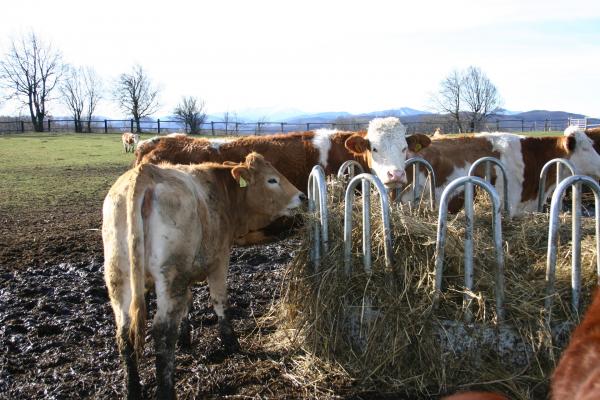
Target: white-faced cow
pixel 174 225
pixel 382 149
pixel 522 156
pixel 130 140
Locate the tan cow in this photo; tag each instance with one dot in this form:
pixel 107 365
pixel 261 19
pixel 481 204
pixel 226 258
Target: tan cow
pixel 522 156
pixel 174 225
pixel 130 140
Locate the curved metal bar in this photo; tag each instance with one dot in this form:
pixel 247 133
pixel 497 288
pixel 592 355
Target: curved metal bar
pixel 468 182
pixel 488 175
pixel 350 166
pixel 317 199
pixel 544 173
pixel 367 180
pixel 414 161
pixel 576 181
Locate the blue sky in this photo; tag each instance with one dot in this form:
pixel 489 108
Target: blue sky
pixel 316 56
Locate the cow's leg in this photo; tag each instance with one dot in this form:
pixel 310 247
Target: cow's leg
pixel 185 331
pixel 217 283
pixel 120 296
pixel 171 300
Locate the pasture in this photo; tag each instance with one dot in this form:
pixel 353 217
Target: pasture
pixel 58 331
pixel 57 339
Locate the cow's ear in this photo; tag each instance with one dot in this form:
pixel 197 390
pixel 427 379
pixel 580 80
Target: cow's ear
pixel 417 142
pixel 255 159
pixel 357 144
pixel 241 175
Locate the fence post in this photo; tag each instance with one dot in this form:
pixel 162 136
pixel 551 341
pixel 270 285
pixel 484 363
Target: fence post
pixel 158 127
pixel 282 130
pixel 22 127
pixel 131 125
pixel 308 126
pixel 105 126
pixel 49 129
pixel 522 125
pixel 497 125
pixel 212 127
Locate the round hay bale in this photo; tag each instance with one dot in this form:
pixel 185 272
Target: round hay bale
pixel 382 329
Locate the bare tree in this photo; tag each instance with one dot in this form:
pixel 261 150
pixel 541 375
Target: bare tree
pixel 449 98
pixel 468 97
pixel 93 93
pixel 480 97
pixel 72 90
pixel 191 112
pixel 30 71
pixel 136 95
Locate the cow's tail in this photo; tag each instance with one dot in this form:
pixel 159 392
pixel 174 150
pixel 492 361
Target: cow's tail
pixel 139 198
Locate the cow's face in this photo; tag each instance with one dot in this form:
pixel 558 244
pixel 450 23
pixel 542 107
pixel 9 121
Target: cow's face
pixel 582 154
pixel 268 193
pixel 386 146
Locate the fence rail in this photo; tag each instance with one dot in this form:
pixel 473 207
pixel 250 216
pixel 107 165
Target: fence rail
pixel 254 128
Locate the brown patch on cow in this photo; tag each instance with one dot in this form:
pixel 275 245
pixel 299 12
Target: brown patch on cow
pixel 577 374
pixel 594 134
pixel 536 152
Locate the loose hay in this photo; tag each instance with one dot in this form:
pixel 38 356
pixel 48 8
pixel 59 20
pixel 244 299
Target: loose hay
pixel 382 328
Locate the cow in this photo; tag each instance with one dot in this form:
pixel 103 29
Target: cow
pixel 594 134
pixel 577 375
pixel 382 149
pixel 522 156
pixel 174 225
pixel 130 140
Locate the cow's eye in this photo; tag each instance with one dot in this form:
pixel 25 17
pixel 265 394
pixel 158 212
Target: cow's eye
pixel 404 149
pixel 272 181
pixel 374 150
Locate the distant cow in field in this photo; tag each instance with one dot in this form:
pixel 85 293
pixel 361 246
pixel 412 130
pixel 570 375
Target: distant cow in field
pixel 577 375
pixel 522 156
pixel 174 225
pixel 130 140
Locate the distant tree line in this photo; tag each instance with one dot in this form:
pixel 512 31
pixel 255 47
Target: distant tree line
pixel 33 73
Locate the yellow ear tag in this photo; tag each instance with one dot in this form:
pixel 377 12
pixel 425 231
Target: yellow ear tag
pixel 243 182
pixel 417 147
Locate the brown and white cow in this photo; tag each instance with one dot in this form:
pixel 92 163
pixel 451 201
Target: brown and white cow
pixel 522 156
pixel 382 148
pixel 130 140
pixel 577 375
pixel 174 225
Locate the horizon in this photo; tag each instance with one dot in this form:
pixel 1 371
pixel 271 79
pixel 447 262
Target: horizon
pixel 332 57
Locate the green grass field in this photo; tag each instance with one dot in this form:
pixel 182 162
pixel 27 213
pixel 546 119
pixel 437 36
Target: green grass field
pixel 38 170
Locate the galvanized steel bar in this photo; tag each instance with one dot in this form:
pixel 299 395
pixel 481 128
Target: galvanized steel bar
pixel 468 253
pixel 544 173
pixel 576 181
pixel 488 175
pixel 350 166
pixel 367 180
pixel 415 162
pixel 497 233
pixel 317 199
pixel 366 220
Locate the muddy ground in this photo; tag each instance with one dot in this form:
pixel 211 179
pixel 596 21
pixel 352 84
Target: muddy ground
pixel 57 329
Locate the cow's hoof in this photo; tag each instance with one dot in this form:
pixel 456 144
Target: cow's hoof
pixel 227 336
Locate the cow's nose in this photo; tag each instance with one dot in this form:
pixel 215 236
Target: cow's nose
pixel 302 197
pixel 396 175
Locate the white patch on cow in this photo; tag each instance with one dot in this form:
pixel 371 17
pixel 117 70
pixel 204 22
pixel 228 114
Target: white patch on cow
pixel 322 141
pixel 585 158
pixel 511 155
pixel 388 150
pixel 216 143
